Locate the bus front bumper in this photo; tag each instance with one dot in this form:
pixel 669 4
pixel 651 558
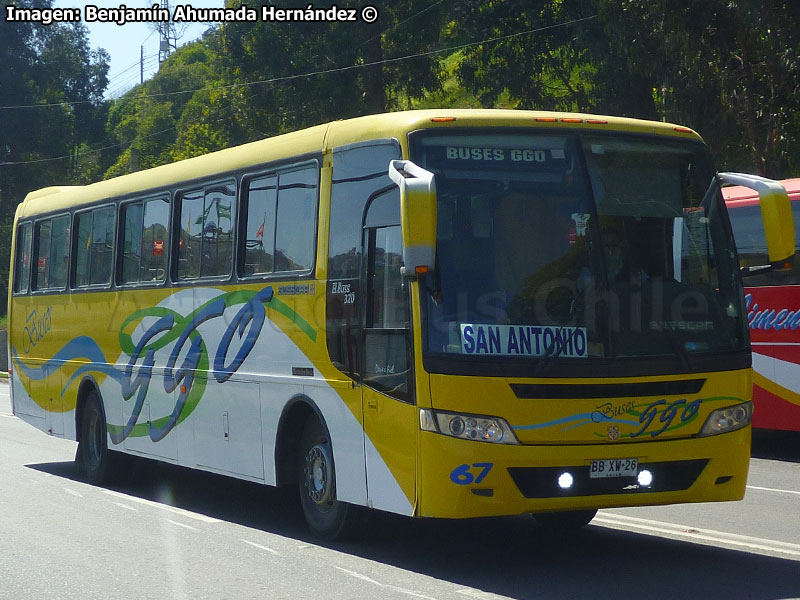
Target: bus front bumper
pixel 461 478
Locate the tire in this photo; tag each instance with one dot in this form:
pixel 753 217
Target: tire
pixel 565 521
pixel 93 457
pixel 327 517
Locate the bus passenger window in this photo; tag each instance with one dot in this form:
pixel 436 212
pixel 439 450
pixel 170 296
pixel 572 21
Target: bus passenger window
pixel 93 247
pixel 102 246
pixel 217 231
pixel 259 244
pixel 297 220
pixel 205 238
pixel 22 264
pixel 154 240
pixel 42 255
pixel 144 241
pixel 279 231
pixel 190 237
pixel 59 253
pixel 131 242
pixel 51 254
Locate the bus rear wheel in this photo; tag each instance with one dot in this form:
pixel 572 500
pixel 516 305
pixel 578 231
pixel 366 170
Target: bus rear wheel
pixel 565 521
pixel 327 517
pixel 93 456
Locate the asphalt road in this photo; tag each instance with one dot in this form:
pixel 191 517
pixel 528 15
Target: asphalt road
pixel 173 533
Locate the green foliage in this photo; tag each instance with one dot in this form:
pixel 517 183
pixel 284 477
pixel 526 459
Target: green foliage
pixel 46 65
pixel 728 69
pixel 160 121
pixel 267 51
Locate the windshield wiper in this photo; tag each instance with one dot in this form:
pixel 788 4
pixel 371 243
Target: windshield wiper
pixel 678 349
pixel 549 356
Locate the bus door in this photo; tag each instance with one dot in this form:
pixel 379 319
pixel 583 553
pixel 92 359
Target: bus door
pixel 389 409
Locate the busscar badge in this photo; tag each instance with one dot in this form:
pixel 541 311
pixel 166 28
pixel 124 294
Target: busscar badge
pixel 613 433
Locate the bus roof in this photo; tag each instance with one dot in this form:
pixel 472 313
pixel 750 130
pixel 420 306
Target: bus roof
pixel 322 138
pixel 737 195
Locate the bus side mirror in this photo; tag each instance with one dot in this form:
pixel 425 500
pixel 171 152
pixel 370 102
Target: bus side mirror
pixel 776 212
pixel 418 216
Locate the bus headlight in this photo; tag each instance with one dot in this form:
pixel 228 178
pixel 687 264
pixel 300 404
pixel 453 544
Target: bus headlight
pixel 467 427
pixel 727 419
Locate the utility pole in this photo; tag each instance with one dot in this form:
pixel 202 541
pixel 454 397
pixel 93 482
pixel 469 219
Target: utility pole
pixel 141 64
pixel 169 38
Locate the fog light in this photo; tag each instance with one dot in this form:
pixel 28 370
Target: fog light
pixel 645 478
pixel 565 481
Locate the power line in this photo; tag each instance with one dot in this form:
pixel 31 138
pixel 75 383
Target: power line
pixel 228 106
pixel 132 78
pixel 335 69
pixel 287 78
pixel 134 65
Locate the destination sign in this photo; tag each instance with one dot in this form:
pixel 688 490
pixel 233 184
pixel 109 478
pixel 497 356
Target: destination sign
pixel 483 157
pixel 523 340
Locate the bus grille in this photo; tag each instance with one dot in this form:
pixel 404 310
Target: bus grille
pixel 542 482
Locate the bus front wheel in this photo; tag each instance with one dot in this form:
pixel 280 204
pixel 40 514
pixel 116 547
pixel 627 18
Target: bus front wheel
pixel 327 517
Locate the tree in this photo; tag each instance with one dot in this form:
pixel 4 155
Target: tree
pixel 728 69
pixel 284 52
pixel 52 66
pixel 176 114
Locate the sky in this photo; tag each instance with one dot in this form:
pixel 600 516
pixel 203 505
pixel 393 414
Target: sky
pixel 124 42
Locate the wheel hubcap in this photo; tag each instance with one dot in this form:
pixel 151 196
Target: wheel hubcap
pixel 319 476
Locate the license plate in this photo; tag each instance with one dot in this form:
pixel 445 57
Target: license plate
pixel 614 467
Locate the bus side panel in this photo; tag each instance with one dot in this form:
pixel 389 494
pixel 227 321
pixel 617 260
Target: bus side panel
pixel 37 324
pixel 774 319
pixel 212 394
pixel 226 372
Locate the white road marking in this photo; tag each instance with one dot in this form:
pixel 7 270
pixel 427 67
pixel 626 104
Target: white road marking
pixel 260 547
pixel 73 493
pixel 386 586
pixel 125 506
pixel 722 538
pixel 480 594
pixel 182 525
pixel 172 509
pixel 764 489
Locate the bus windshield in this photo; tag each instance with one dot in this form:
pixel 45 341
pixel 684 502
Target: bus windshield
pixel 579 247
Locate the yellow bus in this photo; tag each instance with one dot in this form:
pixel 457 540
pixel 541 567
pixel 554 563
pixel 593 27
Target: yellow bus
pixel 432 313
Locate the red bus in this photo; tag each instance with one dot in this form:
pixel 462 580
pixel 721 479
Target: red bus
pixel 772 300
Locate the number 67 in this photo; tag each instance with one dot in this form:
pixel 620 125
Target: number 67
pixel 462 474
